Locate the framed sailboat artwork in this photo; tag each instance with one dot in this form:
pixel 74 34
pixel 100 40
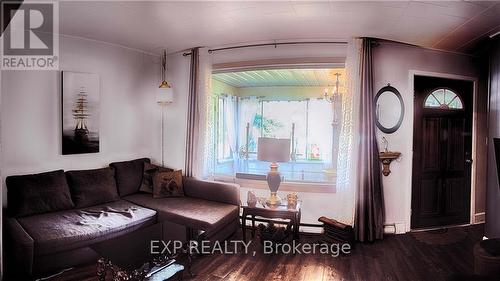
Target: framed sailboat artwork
pixel 80 112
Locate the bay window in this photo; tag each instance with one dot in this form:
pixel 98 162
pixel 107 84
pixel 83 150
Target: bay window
pixel 309 122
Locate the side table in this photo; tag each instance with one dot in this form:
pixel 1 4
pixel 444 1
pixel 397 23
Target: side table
pixel 277 212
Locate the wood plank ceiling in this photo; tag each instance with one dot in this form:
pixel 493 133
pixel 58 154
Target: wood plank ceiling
pixel 179 25
pixel 281 77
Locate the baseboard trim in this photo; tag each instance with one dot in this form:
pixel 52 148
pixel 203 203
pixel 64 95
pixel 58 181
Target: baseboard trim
pixel 395 228
pixel 390 229
pixel 479 218
pixel 440 227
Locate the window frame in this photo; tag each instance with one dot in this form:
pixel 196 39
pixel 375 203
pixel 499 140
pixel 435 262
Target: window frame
pixel 296 183
pixel 217 122
pixel 431 93
pixel 314 187
pixel 291 186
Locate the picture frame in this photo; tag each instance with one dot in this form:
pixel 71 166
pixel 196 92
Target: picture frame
pixel 80 110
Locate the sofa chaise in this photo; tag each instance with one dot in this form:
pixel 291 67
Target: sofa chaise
pixel 53 219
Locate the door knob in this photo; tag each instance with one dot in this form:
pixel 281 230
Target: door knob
pixel 468 161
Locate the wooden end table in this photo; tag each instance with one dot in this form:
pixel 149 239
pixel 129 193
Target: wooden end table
pixel 277 212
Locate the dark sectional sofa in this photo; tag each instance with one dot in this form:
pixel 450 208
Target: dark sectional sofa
pixel 54 218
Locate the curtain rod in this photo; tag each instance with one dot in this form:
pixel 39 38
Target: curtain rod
pixel 269 44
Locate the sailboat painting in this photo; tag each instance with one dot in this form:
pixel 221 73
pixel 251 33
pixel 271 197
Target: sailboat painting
pixel 80 113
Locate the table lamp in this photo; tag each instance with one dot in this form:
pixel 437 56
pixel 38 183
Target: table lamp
pixel 274 151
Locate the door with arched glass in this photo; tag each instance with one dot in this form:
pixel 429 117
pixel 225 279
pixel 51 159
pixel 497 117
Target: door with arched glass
pixel 442 148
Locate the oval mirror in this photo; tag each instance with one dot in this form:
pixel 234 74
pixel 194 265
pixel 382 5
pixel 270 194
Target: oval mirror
pixel 389 109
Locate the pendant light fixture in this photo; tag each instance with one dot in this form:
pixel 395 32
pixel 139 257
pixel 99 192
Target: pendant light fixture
pixel 165 92
pixel 335 92
pixel 334 97
pixel 164 96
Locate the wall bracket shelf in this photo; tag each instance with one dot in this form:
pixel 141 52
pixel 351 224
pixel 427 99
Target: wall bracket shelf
pixel 386 158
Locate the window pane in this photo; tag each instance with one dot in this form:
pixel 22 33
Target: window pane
pixel 456 104
pixel 431 101
pixel 439 95
pixel 443 99
pixel 249 112
pixel 313 136
pixel 278 119
pixel 220 129
pixel 448 95
pixel 320 130
pixel 272 111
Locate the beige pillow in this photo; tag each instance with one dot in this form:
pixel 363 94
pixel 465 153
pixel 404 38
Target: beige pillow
pixel 167 184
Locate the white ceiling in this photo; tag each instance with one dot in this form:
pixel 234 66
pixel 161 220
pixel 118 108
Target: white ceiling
pixel 150 26
pixel 281 77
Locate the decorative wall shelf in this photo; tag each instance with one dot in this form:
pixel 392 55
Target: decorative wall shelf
pixel 386 158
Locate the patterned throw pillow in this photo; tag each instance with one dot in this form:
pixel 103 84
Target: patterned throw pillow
pixel 168 184
pixel 147 177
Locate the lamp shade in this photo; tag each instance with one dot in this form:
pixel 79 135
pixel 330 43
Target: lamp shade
pixel 164 95
pixel 273 150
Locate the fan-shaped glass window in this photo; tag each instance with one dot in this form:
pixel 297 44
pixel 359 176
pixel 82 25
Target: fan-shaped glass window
pixel 443 99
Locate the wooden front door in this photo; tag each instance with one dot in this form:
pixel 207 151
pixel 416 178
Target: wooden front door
pixel 442 152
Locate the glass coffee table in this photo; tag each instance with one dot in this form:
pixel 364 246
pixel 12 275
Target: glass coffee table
pixel 129 257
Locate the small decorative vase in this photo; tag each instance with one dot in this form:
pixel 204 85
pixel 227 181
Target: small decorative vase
pixel 262 201
pixel 274 181
pixel 251 199
pixel 274 200
pixel 292 199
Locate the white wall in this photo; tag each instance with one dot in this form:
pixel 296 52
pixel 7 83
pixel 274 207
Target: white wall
pixel 392 64
pixel 176 112
pixel 129 118
pixel 309 52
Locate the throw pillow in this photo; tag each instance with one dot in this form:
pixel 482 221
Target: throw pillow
pixel 168 184
pixel 38 193
pixel 92 187
pixel 147 177
pixel 128 175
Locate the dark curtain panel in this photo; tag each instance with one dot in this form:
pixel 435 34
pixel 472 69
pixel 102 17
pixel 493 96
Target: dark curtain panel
pixel 192 105
pixel 369 220
pixel 493 185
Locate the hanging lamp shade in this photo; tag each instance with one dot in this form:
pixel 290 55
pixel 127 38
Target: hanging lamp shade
pixel 165 93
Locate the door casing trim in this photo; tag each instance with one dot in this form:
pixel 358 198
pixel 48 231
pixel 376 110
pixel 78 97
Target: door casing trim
pixel 474 80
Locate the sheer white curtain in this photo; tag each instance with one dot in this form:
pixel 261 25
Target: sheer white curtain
pixel 249 108
pixel 348 139
pixel 204 158
pixel 318 128
pixel 232 123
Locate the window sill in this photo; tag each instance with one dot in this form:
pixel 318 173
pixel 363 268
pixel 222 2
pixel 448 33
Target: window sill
pixel 308 187
pixel 224 161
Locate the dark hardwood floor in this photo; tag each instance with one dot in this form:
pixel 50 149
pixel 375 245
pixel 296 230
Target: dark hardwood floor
pixel 397 257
